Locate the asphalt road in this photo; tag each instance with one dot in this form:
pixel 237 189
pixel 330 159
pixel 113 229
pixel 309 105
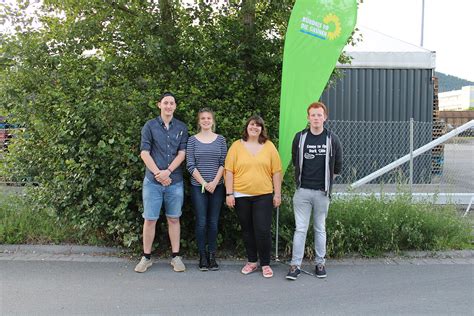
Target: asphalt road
pixel 73 284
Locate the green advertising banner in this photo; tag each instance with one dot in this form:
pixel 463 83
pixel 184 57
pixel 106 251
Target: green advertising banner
pixel 317 32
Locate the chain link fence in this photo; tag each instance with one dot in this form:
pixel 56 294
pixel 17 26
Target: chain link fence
pixel 369 146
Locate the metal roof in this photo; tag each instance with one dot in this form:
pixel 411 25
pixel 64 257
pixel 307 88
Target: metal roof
pixel 378 50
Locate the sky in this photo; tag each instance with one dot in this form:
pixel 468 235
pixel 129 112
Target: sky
pixel 448 29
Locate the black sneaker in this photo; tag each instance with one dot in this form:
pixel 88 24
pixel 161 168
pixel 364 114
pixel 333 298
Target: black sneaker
pixel 203 263
pixel 320 271
pixel 293 273
pixel 213 266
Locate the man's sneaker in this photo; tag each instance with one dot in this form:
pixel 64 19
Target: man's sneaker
pixel 143 265
pixel 320 271
pixel 293 273
pixel 178 264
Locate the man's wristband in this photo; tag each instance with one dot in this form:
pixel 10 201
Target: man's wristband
pixel 169 170
pixel 229 194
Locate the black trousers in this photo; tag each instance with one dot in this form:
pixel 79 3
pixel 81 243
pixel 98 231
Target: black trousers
pixel 255 215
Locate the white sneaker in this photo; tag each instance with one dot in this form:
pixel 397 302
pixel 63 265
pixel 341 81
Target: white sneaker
pixel 178 264
pixel 143 265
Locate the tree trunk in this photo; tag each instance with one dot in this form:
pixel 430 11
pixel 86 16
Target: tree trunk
pixel 168 32
pixel 248 35
pixel 248 16
pixel 166 15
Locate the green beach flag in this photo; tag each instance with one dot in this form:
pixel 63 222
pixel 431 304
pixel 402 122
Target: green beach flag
pixel 317 32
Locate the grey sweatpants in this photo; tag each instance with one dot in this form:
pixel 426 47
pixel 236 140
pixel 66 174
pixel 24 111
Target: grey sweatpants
pixel 305 202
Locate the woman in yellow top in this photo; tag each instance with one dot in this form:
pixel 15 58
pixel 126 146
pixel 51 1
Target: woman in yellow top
pixel 253 186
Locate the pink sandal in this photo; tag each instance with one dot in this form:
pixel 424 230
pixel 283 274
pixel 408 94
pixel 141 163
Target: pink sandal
pixel 249 268
pixel 267 272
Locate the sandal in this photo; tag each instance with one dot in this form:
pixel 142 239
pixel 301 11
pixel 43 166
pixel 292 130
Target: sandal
pixel 267 272
pixel 249 268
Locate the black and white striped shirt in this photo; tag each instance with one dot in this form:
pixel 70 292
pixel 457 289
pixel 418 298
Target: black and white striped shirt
pixel 205 157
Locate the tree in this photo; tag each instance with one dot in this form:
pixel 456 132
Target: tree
pixel 85 82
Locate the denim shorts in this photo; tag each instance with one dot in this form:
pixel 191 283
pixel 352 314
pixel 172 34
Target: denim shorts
pixel 154 194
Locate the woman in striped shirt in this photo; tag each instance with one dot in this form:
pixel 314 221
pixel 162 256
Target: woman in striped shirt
pixel 205 156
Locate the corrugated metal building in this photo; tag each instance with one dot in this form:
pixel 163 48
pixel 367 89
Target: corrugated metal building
pixel 388 81
pixel 382 94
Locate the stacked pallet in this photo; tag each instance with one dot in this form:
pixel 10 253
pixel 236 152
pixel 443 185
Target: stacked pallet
pixel 439 128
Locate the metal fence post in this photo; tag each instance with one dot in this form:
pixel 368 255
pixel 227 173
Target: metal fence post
pixel 276 237
pixel 411 154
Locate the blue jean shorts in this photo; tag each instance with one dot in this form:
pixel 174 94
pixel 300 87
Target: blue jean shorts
pixel 154 194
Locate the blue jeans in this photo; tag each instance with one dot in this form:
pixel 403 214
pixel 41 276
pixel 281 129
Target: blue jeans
pixel 154 194
pixel 207 208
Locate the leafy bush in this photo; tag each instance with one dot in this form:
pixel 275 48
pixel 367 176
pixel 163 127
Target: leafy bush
pixel 83 113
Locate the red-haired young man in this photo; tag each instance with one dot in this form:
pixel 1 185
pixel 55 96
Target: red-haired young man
pixel 317 158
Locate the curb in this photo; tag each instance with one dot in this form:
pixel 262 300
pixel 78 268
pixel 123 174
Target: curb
pixel 448 254
pixel 118 251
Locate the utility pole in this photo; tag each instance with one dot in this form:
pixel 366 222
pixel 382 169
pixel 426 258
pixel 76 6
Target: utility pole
pixel 422 20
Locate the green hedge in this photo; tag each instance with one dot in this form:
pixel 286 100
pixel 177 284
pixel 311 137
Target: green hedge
pixel 83 115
